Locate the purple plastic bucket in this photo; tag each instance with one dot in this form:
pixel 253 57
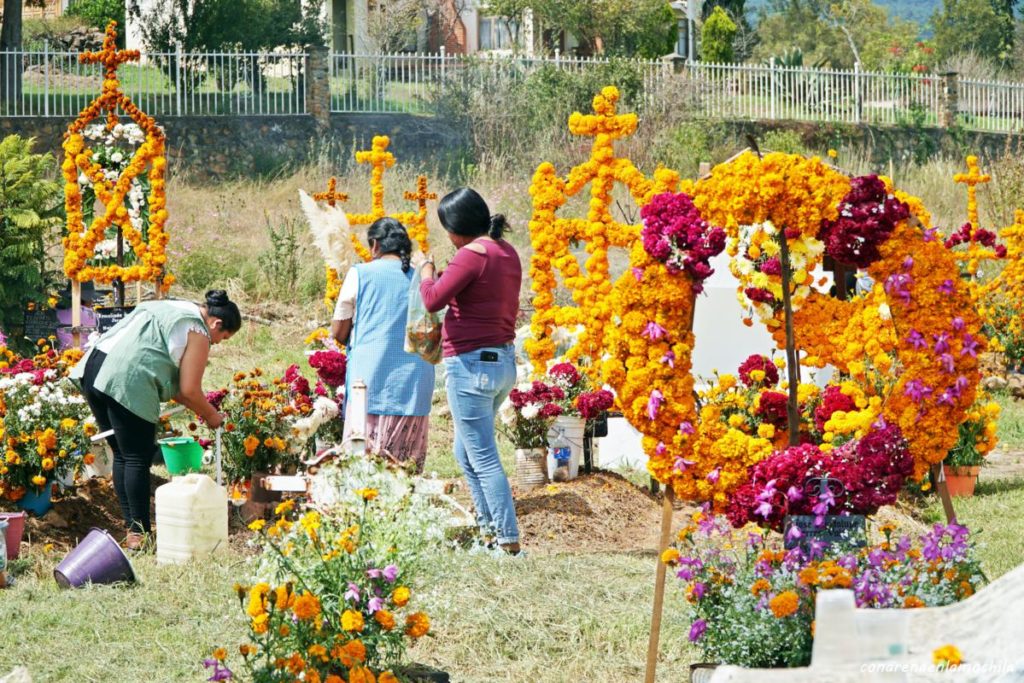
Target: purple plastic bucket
pixel 15 530
pixel 97 559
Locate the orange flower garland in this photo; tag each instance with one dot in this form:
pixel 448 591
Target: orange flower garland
pixel 80 242
pixel 380 159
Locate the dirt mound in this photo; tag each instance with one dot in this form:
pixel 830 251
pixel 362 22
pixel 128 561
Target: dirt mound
pixel 599 512
pixel 92 503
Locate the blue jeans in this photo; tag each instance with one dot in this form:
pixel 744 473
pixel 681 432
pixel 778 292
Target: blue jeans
pixel 477 383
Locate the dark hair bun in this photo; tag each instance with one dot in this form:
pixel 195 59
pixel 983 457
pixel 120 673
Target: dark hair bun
pixel 217 297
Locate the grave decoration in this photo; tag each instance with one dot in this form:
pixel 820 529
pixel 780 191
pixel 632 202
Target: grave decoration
pixel 114 188
pixel 332 227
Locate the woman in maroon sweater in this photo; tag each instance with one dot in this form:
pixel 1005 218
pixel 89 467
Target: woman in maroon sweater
pixel 480 287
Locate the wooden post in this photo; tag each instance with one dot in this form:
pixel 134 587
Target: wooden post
pixel 76 313
pixel 659 585
pixel 940 487
pixel 792 356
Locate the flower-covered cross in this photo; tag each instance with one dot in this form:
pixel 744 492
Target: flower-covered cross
pixel 972 179
pixel 331 196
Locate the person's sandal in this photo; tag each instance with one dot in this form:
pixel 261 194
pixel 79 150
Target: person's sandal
pixel 135 542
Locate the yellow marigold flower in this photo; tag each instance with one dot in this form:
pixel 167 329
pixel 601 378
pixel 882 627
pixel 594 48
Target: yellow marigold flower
pixel 367 494
pixel 833 154
pixel 385 618
pixel 760 586
pixel 670 556
pixel 39 480
pixel 260 623
pixel 285 507
pixel 310 522
pixel 220 654
pixel 947 656
pixel 47 464
pixel 257 524
pixel 765 430
pixel 401 596
pixel 360 674
pixel 784 604
pixel 306 607
pixel 417 625
pixel 352 620
pixel 808 576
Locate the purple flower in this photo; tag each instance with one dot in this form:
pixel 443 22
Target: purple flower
pixel 697 630
pixel 713 475
pixel 654 404
pixel 390 573
pixel 794 494
pixel 970 347
pixel 898 284
pixel 681 464
pixel 947 287
pixel 754 540
pixel 930 234
pixel 917 340
pixel 638 273
pixel 947 363
pixel 375 605
pixel 660 449
pixel 352 593
pixel 220 672
pixel 686 428
pixel 941 342
pixel 698 591
pixel 374 573
pixel 793 533
pixel 908 263
pixel 960 385
pixel 764 508
pixel 669 359
pixel 946 398
pixel 958 323
pixel 654 331
pixel 917 390
pixel 815 548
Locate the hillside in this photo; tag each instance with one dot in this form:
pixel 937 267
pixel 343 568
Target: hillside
pixel 916 10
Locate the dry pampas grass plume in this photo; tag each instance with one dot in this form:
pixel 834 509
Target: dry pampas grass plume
pixel 332 233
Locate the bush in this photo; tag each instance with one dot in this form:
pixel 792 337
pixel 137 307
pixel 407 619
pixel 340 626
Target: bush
pixel 54 30
pixel 716 37
pixel 787 141
pixel 99 13
pixel 686 145
pixel 29 208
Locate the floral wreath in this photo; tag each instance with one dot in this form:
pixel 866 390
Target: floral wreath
pixel 380 159
pixel 641 325
pixel 80 163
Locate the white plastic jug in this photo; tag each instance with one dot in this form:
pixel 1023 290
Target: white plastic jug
pixel 191 518
pixel 571 430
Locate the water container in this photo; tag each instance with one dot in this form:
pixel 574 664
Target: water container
pixel 191 518
pixel 566 432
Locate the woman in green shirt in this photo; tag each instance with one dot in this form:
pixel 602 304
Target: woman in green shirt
pixel 156 354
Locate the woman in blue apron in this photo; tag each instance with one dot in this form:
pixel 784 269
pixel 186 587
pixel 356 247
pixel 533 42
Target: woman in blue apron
pixel 370 317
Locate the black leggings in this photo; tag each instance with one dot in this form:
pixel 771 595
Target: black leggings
pixel 133 445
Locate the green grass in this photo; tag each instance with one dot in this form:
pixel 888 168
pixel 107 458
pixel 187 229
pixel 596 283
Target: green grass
pixel 1011 422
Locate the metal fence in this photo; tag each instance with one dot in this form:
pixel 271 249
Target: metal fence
pixel 410 83
pixel 55 83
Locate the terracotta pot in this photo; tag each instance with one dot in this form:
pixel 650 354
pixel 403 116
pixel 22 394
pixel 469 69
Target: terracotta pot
pixel 530 468
pixel 960 481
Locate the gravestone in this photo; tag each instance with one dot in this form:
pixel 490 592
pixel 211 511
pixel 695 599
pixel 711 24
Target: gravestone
pixel 40 324
pixel 108 317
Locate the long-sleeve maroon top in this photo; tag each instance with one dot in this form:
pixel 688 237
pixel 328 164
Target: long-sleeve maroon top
pixel 482 295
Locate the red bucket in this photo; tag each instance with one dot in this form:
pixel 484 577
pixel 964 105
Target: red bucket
pixel 15 530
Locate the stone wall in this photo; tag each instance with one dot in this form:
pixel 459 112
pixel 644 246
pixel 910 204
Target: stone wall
pixel 225 146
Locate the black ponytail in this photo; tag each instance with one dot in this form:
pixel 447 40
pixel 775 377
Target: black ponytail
pixel 391 238
pixel 218 305
pixel 498 226
pixel 464 212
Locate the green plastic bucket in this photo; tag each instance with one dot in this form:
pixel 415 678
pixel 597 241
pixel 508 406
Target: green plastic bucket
pixel 182 454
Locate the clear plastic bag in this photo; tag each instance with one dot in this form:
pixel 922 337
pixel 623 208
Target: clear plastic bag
pixel 422 328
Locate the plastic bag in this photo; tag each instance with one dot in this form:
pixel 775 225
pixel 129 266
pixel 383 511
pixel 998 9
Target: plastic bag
pixel 422 328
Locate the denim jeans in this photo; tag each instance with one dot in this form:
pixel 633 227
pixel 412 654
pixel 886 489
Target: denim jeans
pixel 476 388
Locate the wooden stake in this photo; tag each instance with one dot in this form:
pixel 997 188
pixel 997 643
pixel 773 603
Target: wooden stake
pixel 792 357
pixel 76 313
pixel 943 490
pixel 659 585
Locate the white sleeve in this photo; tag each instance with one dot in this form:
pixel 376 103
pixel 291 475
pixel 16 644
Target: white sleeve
pixel 345 309
pixel 178 339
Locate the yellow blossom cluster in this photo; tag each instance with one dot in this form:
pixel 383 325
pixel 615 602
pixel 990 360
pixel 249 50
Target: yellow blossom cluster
pixel 551 236
pixel 415 222
pixel 80 241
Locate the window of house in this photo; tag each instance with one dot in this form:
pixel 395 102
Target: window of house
pixel 497 34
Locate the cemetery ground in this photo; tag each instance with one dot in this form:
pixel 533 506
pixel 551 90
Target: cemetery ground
pixel 578 607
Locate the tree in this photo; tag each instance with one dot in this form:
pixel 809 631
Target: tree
pixel 99 13
pixel 391 24
pixel 10 65
pixel 716 38
pixel 983 26
pixel 29 207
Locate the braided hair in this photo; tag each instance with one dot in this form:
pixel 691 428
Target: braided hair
pixel 391 238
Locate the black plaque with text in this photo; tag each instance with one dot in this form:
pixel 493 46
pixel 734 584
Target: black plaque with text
pixel 40 324
pixel 108 317
pixel 844 529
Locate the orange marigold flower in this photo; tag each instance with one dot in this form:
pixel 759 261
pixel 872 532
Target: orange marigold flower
pixel 352 620
pixel 417 625
pixel 401 596
pixel 307 607
pixel 784 604
pixel 385 618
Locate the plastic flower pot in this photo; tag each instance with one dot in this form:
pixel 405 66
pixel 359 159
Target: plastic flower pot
pixel 960 481
pixel 182 454
pixel 97 559
pixel 15 530
pixel 38 502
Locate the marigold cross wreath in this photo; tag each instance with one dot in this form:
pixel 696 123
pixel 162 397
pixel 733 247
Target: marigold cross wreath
pixel 80 242
pixel 380 159
pixel 636 334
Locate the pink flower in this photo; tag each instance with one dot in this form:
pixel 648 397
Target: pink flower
pixel 654 331
pixel 654 404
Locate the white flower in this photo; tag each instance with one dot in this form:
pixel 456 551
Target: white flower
pixel 530 411
pixel 117 157
pixel 884 312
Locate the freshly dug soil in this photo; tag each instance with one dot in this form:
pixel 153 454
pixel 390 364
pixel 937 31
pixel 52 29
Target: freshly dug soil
pixel 598 512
